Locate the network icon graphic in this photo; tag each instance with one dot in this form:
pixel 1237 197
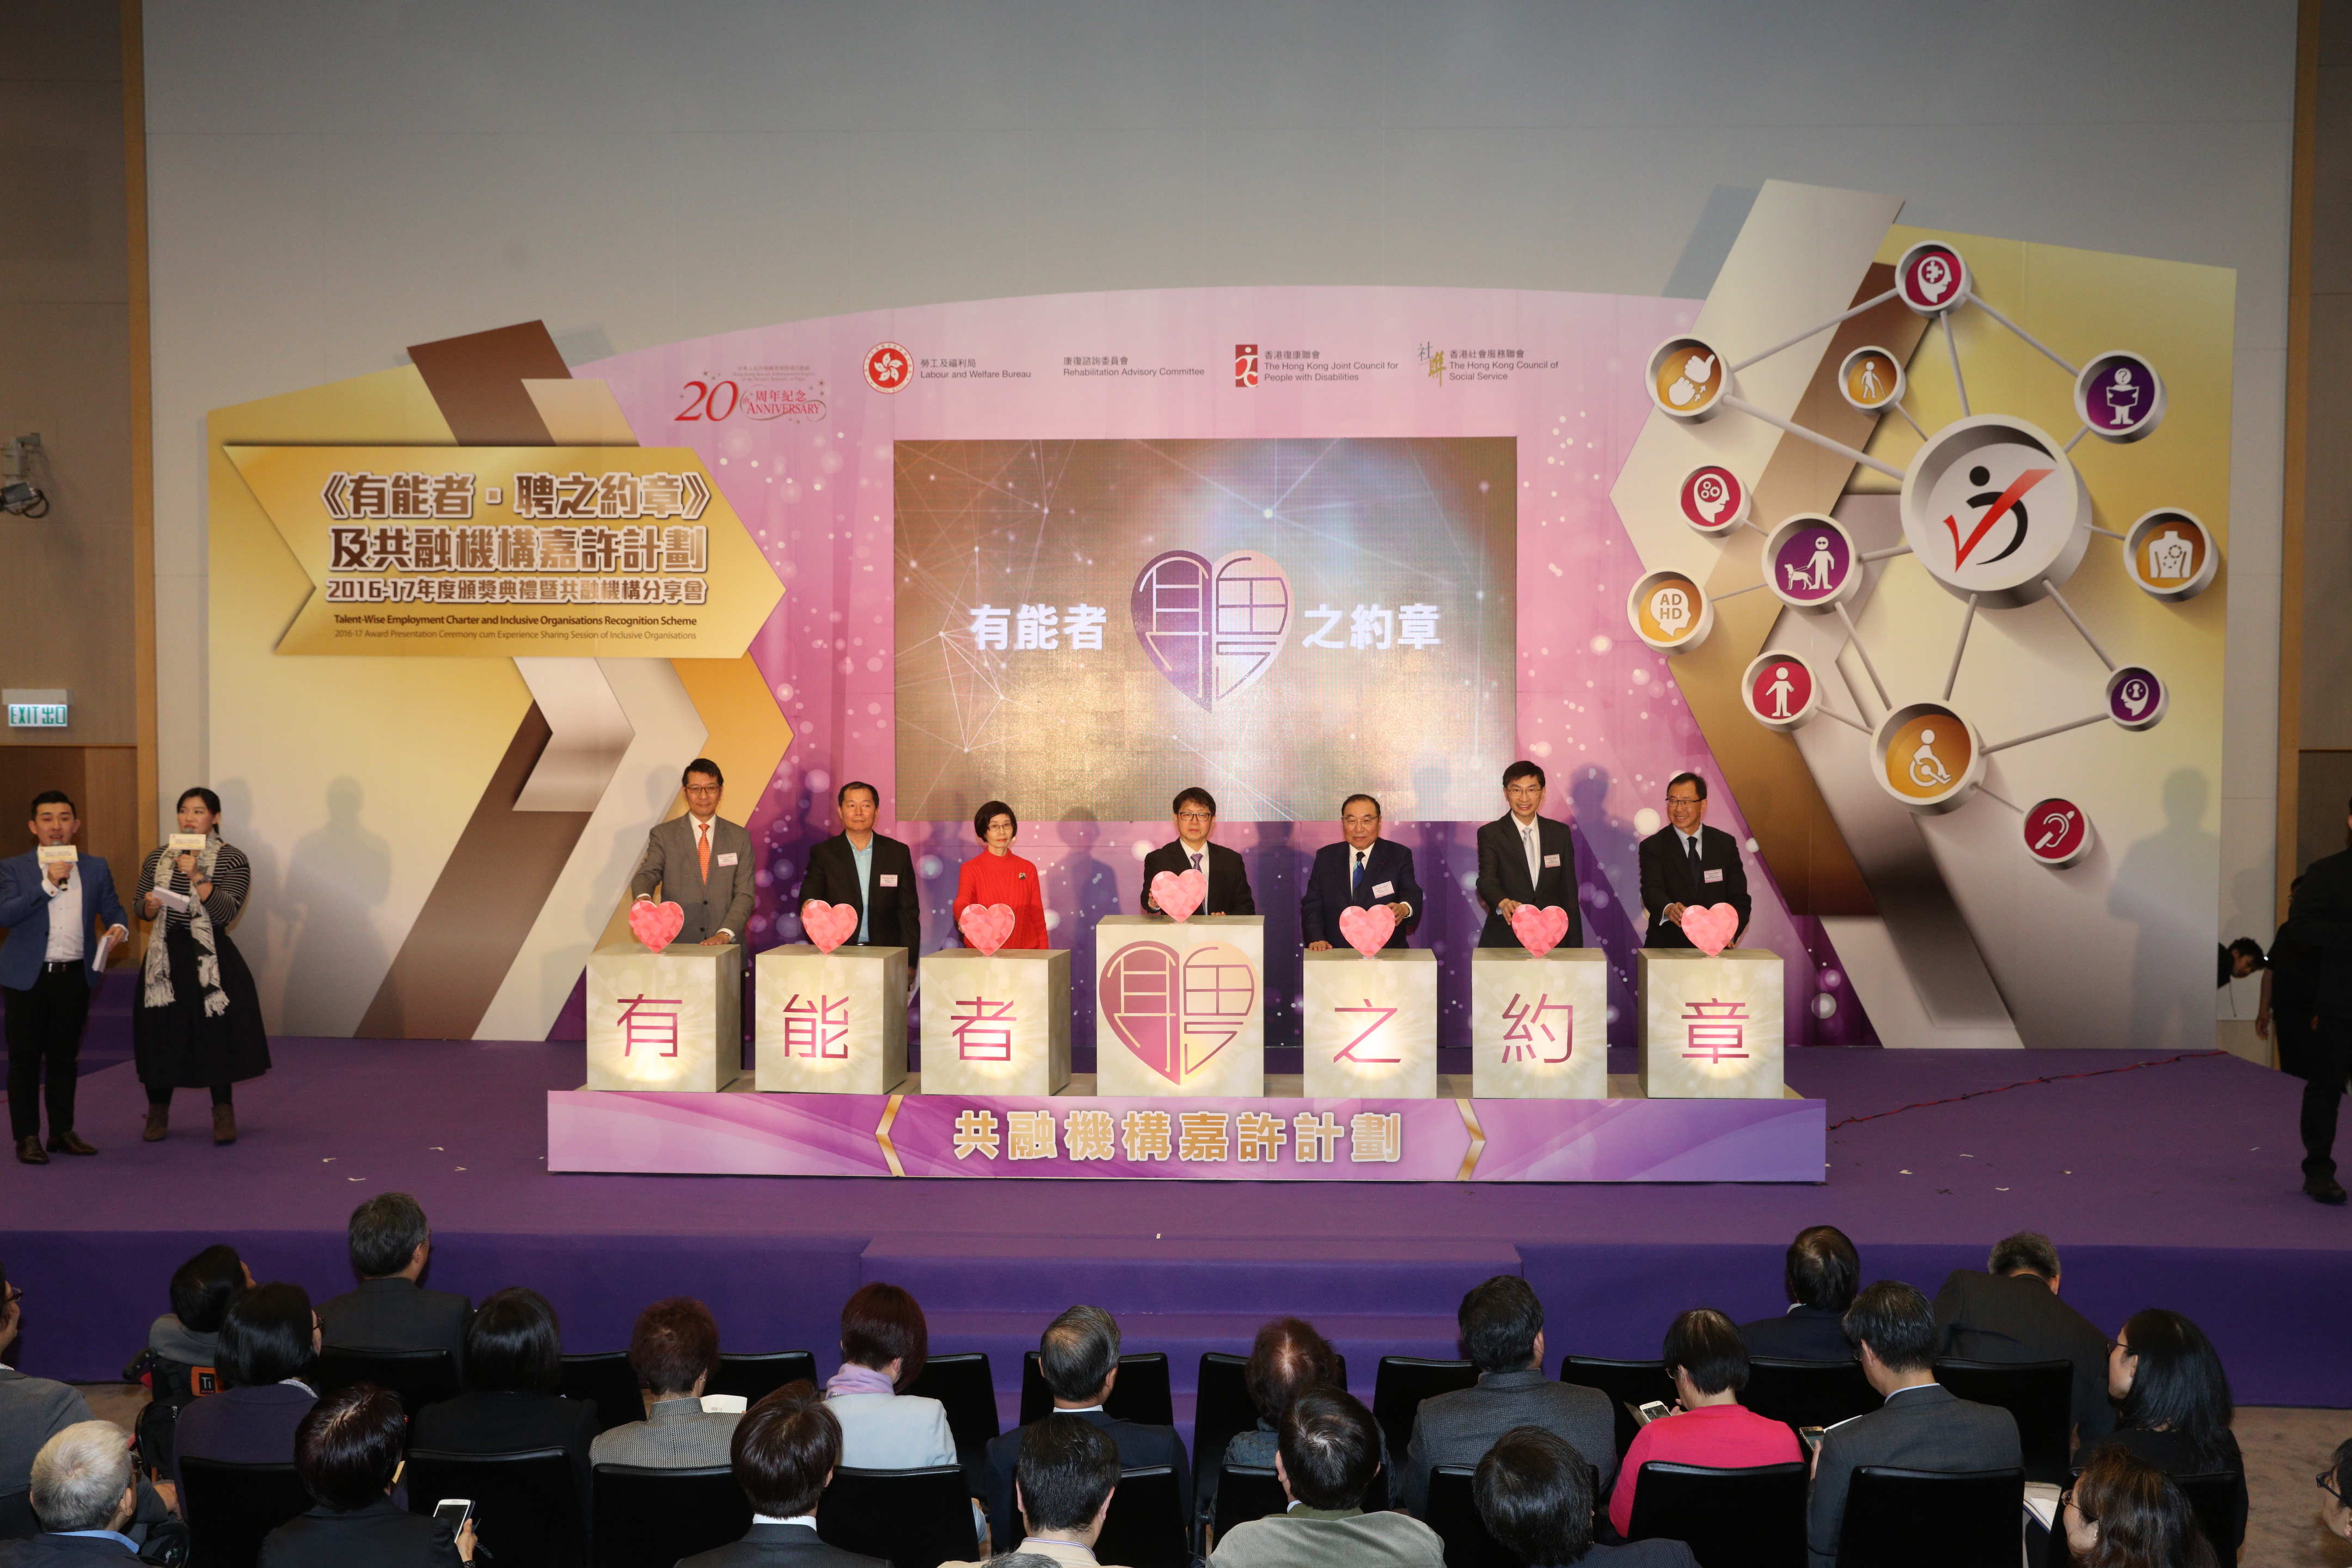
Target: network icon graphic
pixel 1992 506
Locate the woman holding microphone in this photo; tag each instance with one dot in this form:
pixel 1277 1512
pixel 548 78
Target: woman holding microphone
pixel 198 1024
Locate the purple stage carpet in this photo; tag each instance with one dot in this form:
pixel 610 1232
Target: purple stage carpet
pixel 2172 1184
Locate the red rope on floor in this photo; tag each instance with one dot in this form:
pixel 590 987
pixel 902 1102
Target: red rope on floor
pixel 2026 1083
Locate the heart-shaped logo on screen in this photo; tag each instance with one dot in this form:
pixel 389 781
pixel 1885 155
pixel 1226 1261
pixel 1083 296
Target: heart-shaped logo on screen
pixel 656 925
pixel 1710 930
pixel 986 927
pixel 828 925
pixel 1178 893
pixel 1176 1013
pixel 1211 630
pixel 1368 931
pixel 1540 930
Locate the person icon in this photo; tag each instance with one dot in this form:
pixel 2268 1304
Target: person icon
pixel 2123 399
pixel 1823 564
pixel 1928 769
pixel 1780 691
pixel 1870 384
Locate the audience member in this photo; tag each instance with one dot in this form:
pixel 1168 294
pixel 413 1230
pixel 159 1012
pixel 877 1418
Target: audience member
pixel 1502 1332
pixel 1327 1455
pixel 674 1349
pixel 202 1288
pixel 1535 1496
pixel 1061 1489
pixel 1079 1358
pixel 1922 1426
pixel 783 1453
pixel 512 1402
pixel 348 1454
pixel 391 1245
pixel 2011 1312
pixel 266 1342
pixel 1287 1356
pixel 1708 1364
pixel 884 1341
pixel 2175 1400
pixel 33 1409
pixel 85 1490
pixel 1821 1275
pixel 2334 1512
pixel 2123 1512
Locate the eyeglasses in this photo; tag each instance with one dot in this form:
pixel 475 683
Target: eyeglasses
pixel 2327 1479
pixel 2066 1501
pixel 2119 1345
pixel 1682 800
pixel 702 789
pixel 1196 816
pixel 13 1297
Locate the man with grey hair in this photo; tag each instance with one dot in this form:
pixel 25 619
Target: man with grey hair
pixel 85 1493
pixel 391 1245
pixel 2010 1312
pixel 1079 1358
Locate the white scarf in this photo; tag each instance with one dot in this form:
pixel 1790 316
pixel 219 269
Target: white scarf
pixel 157 971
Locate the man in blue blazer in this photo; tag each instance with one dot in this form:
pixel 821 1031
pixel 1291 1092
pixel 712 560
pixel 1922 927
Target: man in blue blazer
pixel 1366 869
pixel 45 976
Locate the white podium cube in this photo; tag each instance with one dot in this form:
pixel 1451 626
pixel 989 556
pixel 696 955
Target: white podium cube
pixel 996 1023
pixel 1539 1026
pixel 1711 1027
pixel 831 1023
pixel 666 1020
pixel 1179 1007
pixel 1371 1025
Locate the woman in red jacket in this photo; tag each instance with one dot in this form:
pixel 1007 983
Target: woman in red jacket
pixel 998 876
pixel 1708 1363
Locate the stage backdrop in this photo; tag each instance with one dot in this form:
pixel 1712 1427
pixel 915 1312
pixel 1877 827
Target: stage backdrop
pixel 1289 544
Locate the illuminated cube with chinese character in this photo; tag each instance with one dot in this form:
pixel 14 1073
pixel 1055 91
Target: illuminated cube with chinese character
pixel 668 1020
pixel 831 1023
pixel 1539 1026
pixel 1371 1025
pixel 1710 1027
pixel 996 1023
pixel 1179 1006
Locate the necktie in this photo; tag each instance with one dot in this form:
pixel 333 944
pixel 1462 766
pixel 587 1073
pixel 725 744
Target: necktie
pixel 1535 861
pixel 1358 884
pixel 1196 860
pixel 1691 844
pixel 702 848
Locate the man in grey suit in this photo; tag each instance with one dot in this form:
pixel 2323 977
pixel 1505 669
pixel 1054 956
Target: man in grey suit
pixel 391 1245
pixel 2011 1312
pixel 701 863
pixel 1325 1456
pixel 1922 1426
pixel 1502 1332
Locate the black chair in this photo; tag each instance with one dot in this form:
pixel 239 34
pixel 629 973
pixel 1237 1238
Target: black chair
pixel 16 1521
pixel 1141 1394
pixel 2039 1394
pixel 758 1375
pixel 2215 1499
pixel 1809 1392
pixel 1452 1512
pixel 1930 1519
pixel 419 1377
pixel 1221 1407
pixel 1626 1383
pixel 1399 1385
pixel 647 1518
pixel 229 1507
pixel 961 1381
pixel 604 1380
pixel 1729 1518
pixel 1245 1492
pixel 526 1508
pixel 1146 1526
pixel 915 1519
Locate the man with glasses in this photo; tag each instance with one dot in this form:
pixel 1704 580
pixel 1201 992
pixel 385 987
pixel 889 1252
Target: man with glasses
pixel 1229 888
pixel 1363 870
pixel 1687 865
pixel 1525 858
pixel 2334 1512
pixel 701 863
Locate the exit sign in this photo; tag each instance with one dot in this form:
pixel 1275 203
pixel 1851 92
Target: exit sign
pixel 37 710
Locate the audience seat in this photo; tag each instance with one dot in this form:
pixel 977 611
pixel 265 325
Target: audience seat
pixel 1141 1392
pixel 1809 1392
pixel 757 1375
pixel 1221 1407
pixel 1751 1518
pixel 16 1521
pixel 2039 1394
pixel 1626 1383
pixel 604 1379
pixel 961 1381
pixel 913 1519
pixel 1245 1492
pixel 526 1509
pixel 419 1377
pixel 1146 1528
pixel 1452 1512
pixel 647 1518
pixel 1928 1519
pixel 229 1507
pixel 1399 1385
pixel 2215 1499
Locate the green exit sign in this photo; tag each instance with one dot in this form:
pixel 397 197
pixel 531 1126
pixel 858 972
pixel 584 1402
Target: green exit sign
pixel 37 710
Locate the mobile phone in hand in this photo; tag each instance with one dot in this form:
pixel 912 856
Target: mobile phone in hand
pixel 454 1512
pixel 1812 1436
pixel 1649 1410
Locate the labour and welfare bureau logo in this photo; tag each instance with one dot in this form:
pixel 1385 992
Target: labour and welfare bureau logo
pixel 1244 364
pixel 888 367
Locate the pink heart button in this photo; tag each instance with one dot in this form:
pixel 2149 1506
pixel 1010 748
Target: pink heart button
pixel 656 925
pixel 1710 930
pixel 986 927
pixel 1178 893
pixel 1540 930
pixel 1368 931
pixel 828 925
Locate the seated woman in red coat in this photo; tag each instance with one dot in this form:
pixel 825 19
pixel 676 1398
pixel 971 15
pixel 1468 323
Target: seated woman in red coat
pixel 1001 877
pixel 1709 1362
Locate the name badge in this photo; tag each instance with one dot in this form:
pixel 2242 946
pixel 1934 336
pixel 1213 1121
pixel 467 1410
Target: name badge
pixel 887 879
pixel 1551 862
pixel 1383 889
pixel 726 860
pixel 1715 875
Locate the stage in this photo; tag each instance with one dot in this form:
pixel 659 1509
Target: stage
pixel 2172 1184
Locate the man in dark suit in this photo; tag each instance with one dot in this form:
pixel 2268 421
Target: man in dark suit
pixel 390 1244
pixel 701 862
pixel 1687 863
pixel 2321 913
pixel 45 975
pixel 1502 1331
pixel 871 872
pixel 1079 1358
pixel 785 1449
pixel 85 1492
pixel 1922 1426
pixel 1821 1275
pixel 1366 869
pixel 1526 859
pixel 2011 1312
pixel 1534 1495
pixel 1229 888
pixel 1061 1489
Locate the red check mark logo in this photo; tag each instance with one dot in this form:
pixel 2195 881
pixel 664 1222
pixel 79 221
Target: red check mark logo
pixel 1994 514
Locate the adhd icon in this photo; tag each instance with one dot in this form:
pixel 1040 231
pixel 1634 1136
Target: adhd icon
pixel 888 367
pixel 1244 364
